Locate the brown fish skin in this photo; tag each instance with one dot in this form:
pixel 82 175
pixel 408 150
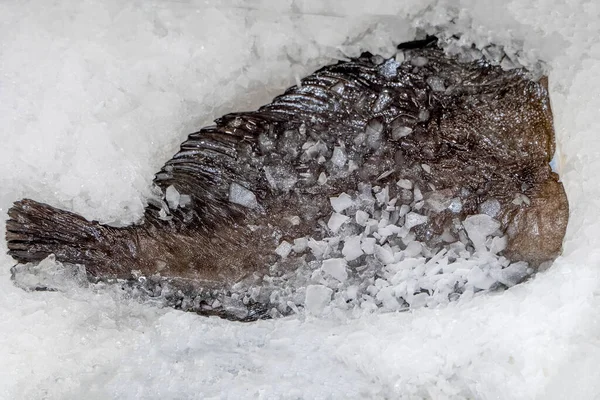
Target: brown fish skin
pixel 484 134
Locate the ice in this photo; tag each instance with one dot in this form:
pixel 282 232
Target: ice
pixel 368 245
pixel 419 61
pixel 341 202
pixel 300 245
pixel 373 131
pixel 490 207
pixel 339 157
pixel 455 205
pixel 413 219
pixel 480 279
pixel 95 96
pixel 405 184
pixel 512 274
pixel 413 249
pixel 317 298
pixel 479 227
pixel 399 130
pixel 173 197
pixel 284 249
pixel 336 267
pixel 322 178
pixel 361 217
pixel 436 83
pixel 336 221
pixel 352 248
pixel 238 194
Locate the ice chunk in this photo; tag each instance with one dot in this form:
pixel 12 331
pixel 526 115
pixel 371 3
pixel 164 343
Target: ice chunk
pixel 389 68
pixel 300 245
pixel 317 298
pixel 361 217
pixel 294 220
pixel 352 249
pixel 404 184
pixel 341 202
pixel 173 197
pixel 384 254
pixel 284 249
pixel 238 194
pixel 520 199
pixel 512 274
pixel 490 207
pixel 498 244
pixel 184 200
pixel 480 279
pixel 368 245
pixel 419 61
pixel 336 221
pixel 413 219
pixel 455 205
pixel 436 83
pixel 318 248
pixel 418 195
pixel 335 267
pixel 373 131
pixel 400 130
pixel 413 249
pixel 281 178
pixel 322 178
pixel 418 300
pixel 338 157
pixel 437 201
pixel 479 227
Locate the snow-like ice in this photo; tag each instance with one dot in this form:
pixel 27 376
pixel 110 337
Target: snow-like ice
pixel 95 96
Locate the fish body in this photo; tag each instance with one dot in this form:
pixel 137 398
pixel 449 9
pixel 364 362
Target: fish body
pixel 471 138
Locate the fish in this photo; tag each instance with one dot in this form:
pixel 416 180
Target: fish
pixel 450 141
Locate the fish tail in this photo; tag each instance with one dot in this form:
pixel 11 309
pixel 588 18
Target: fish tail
pixel 36 230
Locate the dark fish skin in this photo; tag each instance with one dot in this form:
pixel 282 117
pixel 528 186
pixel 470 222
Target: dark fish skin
pixel 482 132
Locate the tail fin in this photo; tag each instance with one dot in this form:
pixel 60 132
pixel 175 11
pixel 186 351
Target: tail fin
pixel 36 230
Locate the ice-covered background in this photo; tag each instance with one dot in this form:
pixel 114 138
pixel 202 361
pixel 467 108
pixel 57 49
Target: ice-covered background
pixel 96 95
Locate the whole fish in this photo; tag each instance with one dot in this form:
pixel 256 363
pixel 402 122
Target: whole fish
pixel 472 138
